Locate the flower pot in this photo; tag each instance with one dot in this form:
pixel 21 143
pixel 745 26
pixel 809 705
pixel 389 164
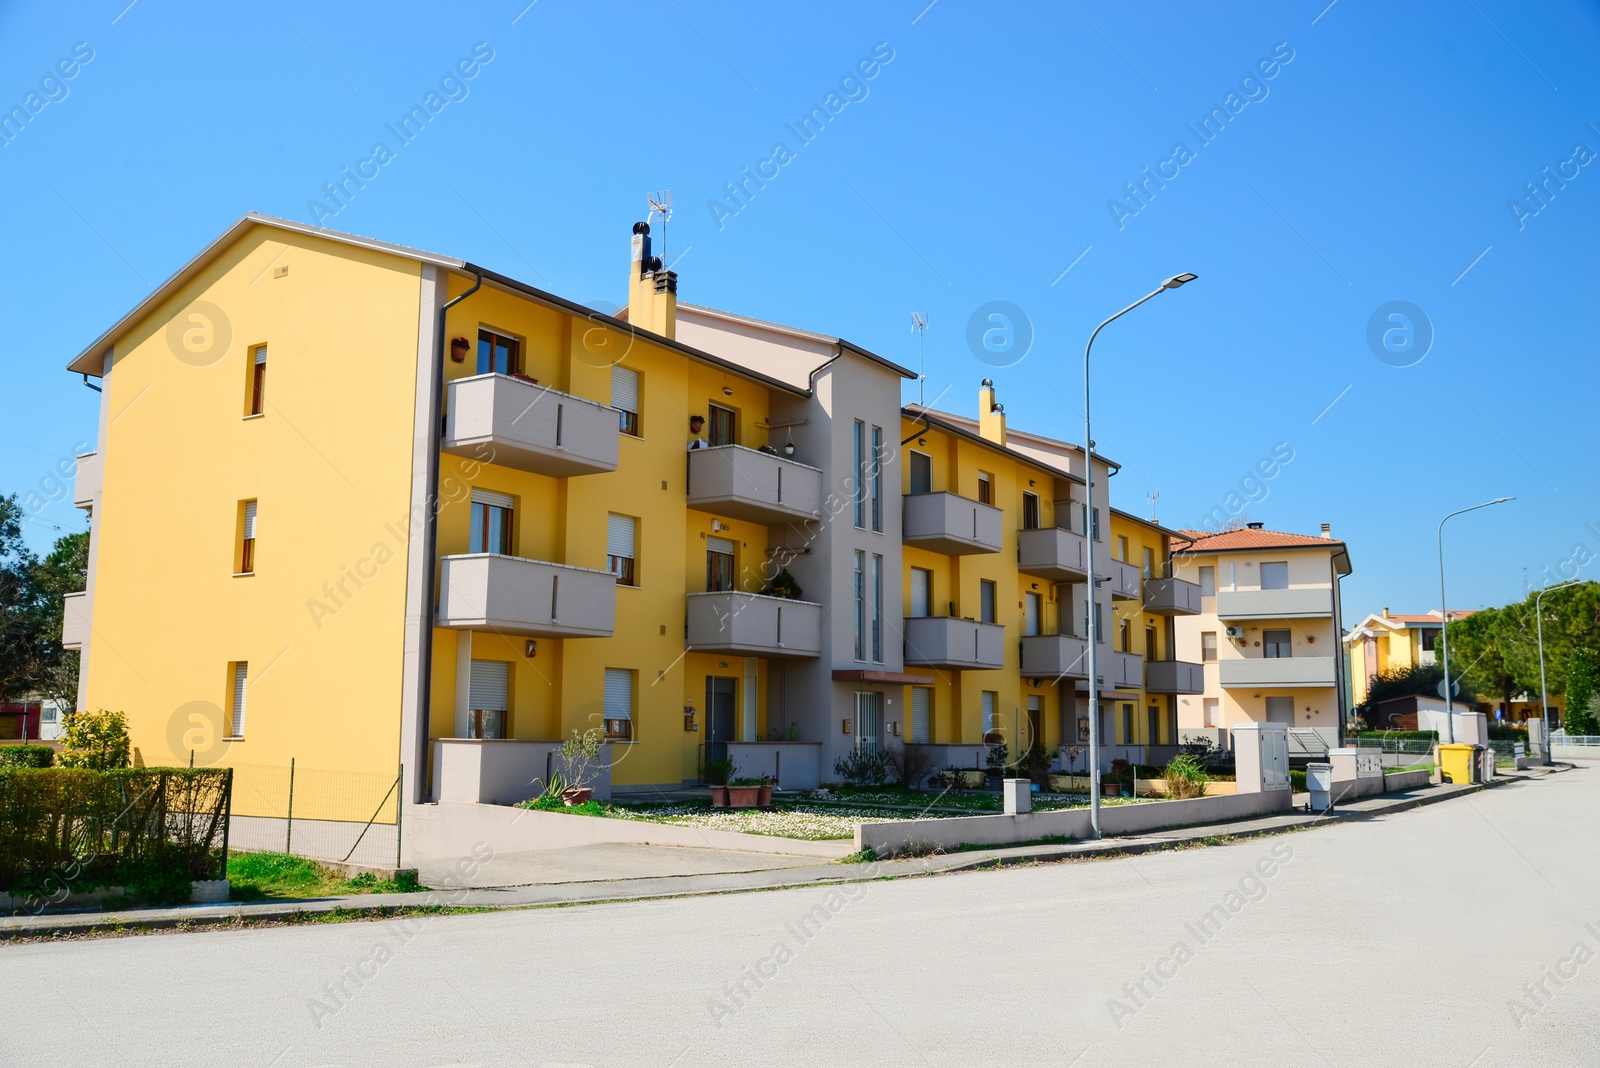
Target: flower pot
pixel 744 796
pixel 766 796
pixel 1112 789
pixel 719 797
pixel 577 796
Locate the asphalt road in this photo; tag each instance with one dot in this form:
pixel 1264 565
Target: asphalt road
pixel 1407 941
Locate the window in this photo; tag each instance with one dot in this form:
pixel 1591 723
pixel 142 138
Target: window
pixel 1208 581
pixel 921 593
pixel 241 679
pixel 991 701
pixel 1099 633
pixel 1149 563
pixel 488 698
pixel 724 427
pixel 1030 511
pixel 719 565
pixel 1035 722
pixel 498 354
pixel 1213 706
pixel 1032 610
pixel 985 488
pixel 1127 725
pixel 490 530
pixel 1152 725
pixel 47 714
pixel 1124 635
pixel 859 442
pixel 625 398
pixel 621 535
pixel 247 538
pixel 1208 646
pixel 1091 522
pixel 877 609
pixel 986 601
pixel 921 472
pixel 921 714
pixel 258 380
pixel 1275 576
pixel 1275 644
pixel 1152 650
pixel 1280 710
pixel 1122 547
pixel 877 478
pixel 619 705
pixel 1430 640
pixel 860 587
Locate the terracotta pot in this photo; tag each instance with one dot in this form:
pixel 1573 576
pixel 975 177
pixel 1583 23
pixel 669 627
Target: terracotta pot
pixel 719 797
pixel 766 795
pixel 743 796
pixel 1112 789
pixel 577 796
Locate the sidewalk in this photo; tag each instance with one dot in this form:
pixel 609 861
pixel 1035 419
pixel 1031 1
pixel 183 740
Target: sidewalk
pixel 646 887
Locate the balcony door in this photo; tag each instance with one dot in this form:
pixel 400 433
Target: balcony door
pixel 723 429
pixel 719 564
pixel 921 593
pixel 869 722
pixel 721 715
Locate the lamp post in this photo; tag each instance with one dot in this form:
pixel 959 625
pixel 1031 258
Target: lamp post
pixel 1444 613
pixel 1544 691
pixel 1091 584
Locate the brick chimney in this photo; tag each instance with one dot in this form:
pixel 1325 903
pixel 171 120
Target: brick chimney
pixel 991 416
pixel 652 291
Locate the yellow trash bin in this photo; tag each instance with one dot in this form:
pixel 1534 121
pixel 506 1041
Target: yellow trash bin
pixel 1455 762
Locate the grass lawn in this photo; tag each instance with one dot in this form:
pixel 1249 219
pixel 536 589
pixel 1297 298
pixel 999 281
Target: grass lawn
pixel 279 876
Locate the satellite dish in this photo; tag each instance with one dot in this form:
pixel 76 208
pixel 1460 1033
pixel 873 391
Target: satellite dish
pixel 1455 688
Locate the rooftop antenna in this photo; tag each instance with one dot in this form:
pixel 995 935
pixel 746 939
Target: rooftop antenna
pixel 919 323
pixel 1155 496
pixel 661 204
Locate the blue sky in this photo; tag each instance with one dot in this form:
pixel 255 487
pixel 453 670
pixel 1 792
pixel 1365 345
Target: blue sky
pixel 980 163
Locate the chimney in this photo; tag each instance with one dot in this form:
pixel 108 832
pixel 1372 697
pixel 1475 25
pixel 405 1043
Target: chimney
pixel 991 416
pixel 1385 613
pixel 1327 531
pixel 652 291
pixel 1256 525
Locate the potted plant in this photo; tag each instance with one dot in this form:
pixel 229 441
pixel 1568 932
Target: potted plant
pixel 579 761
pixel 765 800
pixel 744 793
pixel 783 585
pixel 716 773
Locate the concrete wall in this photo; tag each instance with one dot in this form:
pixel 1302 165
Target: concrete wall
pixel 888 839
pixel 794 765
pixel 502 771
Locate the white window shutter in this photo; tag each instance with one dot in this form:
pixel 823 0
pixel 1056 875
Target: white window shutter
pixel 619 694
pixel 625 389
pixel 921 713
pixel 921 592
pixel 241 679
pixel 493 499
pixel 261 354
pixel 620 531
pixel 719 545
pixel 489 689
pixel 988 711
pixel 249 519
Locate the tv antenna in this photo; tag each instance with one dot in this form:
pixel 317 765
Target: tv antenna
pixel 661 204
pixel 919 323
pixel 1155 496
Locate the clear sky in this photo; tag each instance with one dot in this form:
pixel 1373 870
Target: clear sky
pixel 1363 154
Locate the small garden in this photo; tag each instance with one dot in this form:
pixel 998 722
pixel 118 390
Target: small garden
pixel 282 876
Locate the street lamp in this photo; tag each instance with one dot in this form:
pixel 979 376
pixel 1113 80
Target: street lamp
pixel 1544 693
pixel 1444 631
pixel 1090 583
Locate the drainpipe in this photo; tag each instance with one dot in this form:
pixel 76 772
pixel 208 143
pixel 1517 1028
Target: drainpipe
pixel 430 528
pixel 91 385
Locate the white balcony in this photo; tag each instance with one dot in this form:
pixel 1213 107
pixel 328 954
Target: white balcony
pixel 1171 597
pixel 952 642
pixel 951 524
pixel 507 421
pixel 1174 676
pixel 1277 671
pixel 743 483
pixel 485 591
pixel 1125 579
pixel 749 624
pixel 1052 553
pixel 75 620
pixel 89 481
pixel 1275 604
pixel 1124 672
pixel 1051 656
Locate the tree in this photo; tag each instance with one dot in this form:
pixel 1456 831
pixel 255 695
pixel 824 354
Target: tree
pixel 1582 686
pixel 17 617
pixel 54 672
pixel 1483 651
pixel 1401 682
pixel 95 740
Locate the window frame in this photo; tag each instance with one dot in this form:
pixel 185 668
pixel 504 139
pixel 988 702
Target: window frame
pixel 877 608
pixel 860 580
pixel 877 479
pixel 988 600
pixel 925 462
pixel 1261 574
pixel 985 488
pixel 258 380
pixel 628 419
pixel 514 355
pixel 1208 649
pixel 1030 510
pixel 625 568
pixel 1207 580
pixel 249 517
pixel 721 414
pixel 859 490
pixel 606 719
pixel 1277 650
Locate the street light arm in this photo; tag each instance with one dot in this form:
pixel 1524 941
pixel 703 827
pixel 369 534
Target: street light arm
pixel 1444 617
pixel 1153 293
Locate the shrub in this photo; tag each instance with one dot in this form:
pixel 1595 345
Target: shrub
pixel 95 740
pixel 26 756
pixel 1185 776
pixel 1034 764
pixel 911 764
pixel 861 768
pixel 783 584
pixel 1583 685
pixel 717 771
pixel 580 758
pixel 1297 780
pixel 953 779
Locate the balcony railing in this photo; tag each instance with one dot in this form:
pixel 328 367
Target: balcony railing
pixel 749 624
pixel 89 481
pixel 485 591
pixel 1174 676
pixel 1171 597
pixel 1277 671
pixel 1275 604
pixel 1125 672
pixel 746 484
pixel 502 420
pixel 1124 581
pixel 953 642
pixel 1052 553
pixel 951 524
pixel 1054 656
pixel 75 620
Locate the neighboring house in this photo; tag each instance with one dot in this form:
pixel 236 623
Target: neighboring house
pixel 1387 642
pixel 1268 629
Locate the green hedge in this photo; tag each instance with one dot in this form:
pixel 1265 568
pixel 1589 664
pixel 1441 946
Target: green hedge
pixel 152 830
pixel 1412 736
pixel 26 756
pixel 1508 734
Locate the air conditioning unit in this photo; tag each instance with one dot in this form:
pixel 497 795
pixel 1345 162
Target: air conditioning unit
pixel 1234 632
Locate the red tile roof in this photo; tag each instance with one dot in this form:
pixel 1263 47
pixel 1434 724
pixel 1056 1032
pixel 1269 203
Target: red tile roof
pixel 1247 538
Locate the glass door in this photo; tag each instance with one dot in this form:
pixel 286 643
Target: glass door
pixel 869 722
pixel 721 699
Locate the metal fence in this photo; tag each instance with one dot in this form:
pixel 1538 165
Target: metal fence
pixel 351 816
pixel 1400 752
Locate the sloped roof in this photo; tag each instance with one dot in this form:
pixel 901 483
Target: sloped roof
pixel 1247 539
